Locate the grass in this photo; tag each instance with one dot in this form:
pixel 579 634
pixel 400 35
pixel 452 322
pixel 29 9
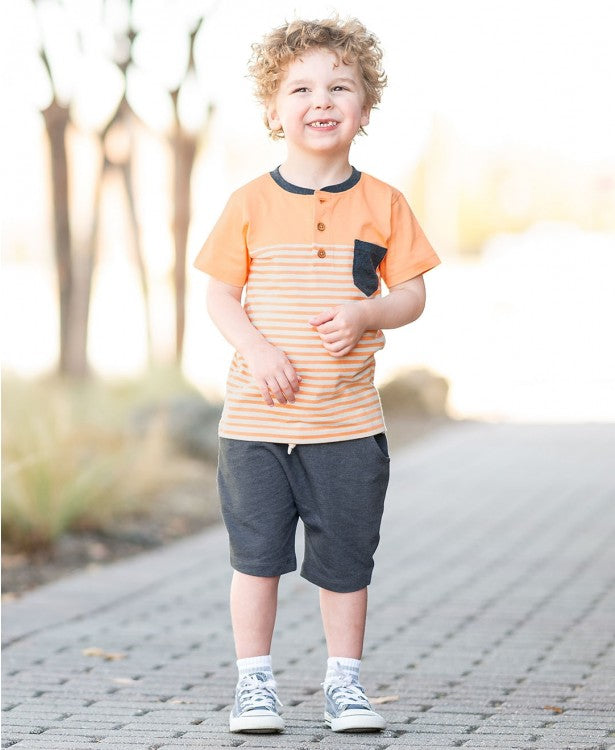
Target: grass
pixel 72 459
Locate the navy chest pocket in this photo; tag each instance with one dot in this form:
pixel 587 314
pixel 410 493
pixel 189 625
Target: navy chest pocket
pixel 367 258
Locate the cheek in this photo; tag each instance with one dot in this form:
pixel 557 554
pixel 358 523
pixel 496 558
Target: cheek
pixel 295 114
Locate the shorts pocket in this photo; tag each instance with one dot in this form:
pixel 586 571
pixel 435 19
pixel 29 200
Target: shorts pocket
pixel 367 258
pixel 379 444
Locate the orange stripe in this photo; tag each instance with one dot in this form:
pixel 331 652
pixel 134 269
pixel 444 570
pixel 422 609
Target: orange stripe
pixel 322 437
pixel 309 285
pixel 306 300
pixel 321 393
pixel 322 390
pixel 270 271
pixel 359 398
pixel 301 425
pixel 318 348
pixel 314 404
pixel 366 416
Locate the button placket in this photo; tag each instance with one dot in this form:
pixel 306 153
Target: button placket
pixel 320 223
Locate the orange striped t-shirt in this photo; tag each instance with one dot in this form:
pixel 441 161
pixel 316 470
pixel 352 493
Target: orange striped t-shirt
pixel 297 252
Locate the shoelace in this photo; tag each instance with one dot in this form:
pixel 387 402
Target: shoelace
pixel 257 693
pixel 346 692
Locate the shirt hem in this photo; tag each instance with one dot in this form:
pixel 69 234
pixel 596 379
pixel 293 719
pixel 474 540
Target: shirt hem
pixel 296 440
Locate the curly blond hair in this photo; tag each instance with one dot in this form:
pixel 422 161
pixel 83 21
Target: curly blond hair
pixel 348 39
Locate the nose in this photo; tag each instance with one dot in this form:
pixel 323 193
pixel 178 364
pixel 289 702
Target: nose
pixel 322 99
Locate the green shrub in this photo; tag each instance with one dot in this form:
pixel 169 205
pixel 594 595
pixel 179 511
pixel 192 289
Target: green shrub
pixel 71 459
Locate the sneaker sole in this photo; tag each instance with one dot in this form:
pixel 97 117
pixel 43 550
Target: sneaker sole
pixel 256 724
pixel 355 723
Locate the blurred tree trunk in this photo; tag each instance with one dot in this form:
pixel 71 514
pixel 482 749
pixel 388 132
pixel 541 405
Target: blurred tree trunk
pixel 74 269
pixel 184 151
pixel 74 264
pixel 84 261
pixel 56 119
pixel 184 146
pixel 124 119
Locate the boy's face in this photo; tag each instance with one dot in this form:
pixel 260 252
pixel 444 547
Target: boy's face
pixel 320 104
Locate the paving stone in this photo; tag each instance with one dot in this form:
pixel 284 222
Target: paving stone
pixel 490 618
pixel 37 744
pixel 218 742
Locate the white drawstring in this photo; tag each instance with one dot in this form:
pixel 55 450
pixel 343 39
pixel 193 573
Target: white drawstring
pixel 290 447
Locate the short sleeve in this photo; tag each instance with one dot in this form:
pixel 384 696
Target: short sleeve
pixel 409 252
pixel 225 253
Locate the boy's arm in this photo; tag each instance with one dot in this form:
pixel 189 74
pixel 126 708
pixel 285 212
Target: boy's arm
pixel 270 367
pixel 341 327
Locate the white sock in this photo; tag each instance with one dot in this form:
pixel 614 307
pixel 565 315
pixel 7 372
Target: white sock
pixel 254 664
pixel 348 666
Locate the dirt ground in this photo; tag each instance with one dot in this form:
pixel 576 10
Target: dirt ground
pixel 186 510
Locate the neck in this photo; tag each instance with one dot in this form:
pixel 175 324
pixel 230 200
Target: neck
pixel 314 173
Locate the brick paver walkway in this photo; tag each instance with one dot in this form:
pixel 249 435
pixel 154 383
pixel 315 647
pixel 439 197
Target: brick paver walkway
pixel 491 625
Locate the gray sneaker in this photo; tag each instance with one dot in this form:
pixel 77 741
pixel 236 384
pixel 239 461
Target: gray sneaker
pixel 256 705
pixel 347 708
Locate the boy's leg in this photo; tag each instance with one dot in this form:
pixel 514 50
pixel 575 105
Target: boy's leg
pixel 260 516
pixel 253 609
pixel 343 619
pixel 254 601
pixel 341 504
pixel 347 707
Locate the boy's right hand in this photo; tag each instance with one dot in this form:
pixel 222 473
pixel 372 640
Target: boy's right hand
pixel 273 373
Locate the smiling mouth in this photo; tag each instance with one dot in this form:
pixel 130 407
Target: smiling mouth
pixel 323 124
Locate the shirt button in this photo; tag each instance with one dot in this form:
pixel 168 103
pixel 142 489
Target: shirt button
pixel 320 226
pixel 321 252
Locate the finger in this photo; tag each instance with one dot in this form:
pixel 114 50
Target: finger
pixel 289 394
pixel 329 327
pixel 284 393
pixel 335 346
pixel 266 395
pixel 331 338
pixel 275 391
pixel 285 384
pixel 342 352
pixel 293 378
pixel 322 317
pixel 278 394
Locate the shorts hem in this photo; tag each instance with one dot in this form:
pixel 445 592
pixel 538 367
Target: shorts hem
pixel 338 587
pixel 264 571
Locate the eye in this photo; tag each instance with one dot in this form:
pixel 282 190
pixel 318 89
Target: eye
pixel 340 88
pixel 300 90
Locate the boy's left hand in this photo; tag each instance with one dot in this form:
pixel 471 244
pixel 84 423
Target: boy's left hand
pixel 340 327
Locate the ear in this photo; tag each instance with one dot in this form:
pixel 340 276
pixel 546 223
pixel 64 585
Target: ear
pixel 272 117
pixel 365 113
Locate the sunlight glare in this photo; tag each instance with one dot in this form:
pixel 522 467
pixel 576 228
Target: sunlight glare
pixel 99 88
pixel 151 101
pixel 161 51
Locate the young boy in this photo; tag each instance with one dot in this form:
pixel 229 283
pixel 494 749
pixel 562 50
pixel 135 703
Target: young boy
pixel 302 433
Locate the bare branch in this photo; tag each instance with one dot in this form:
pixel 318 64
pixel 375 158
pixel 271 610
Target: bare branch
pixel 42 51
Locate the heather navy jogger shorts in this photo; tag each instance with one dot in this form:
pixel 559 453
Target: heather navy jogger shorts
pixel 337 489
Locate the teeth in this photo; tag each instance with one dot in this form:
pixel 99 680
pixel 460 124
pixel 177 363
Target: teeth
pixel 321 124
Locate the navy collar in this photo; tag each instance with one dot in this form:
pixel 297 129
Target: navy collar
pixel 339 188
